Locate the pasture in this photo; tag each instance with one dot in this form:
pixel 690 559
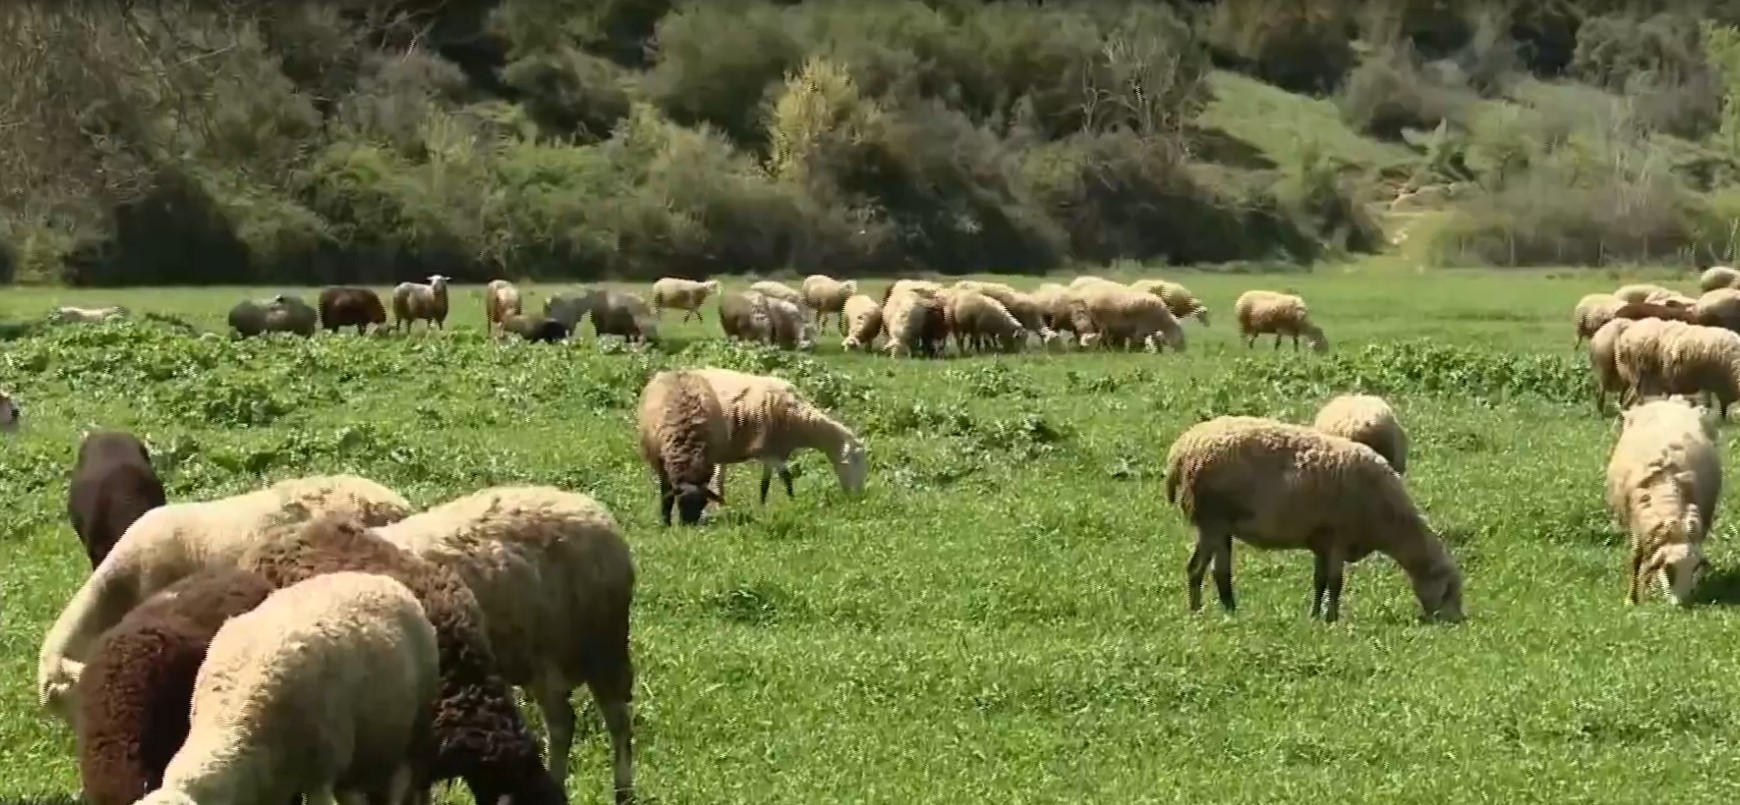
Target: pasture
pixel 1001 618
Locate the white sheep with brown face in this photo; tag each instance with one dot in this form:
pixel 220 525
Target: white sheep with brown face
pixel 1664 479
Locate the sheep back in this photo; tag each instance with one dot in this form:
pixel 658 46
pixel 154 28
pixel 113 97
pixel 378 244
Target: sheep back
pixel 1368 420
pixel 863 321
pixel 347 306
pixel 113 485
pixel 824 294
pixel 1718 277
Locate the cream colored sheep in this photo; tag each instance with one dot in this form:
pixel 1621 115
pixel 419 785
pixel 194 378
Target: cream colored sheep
pixel 1640 292
pixel 176 540
pixel 682 430
pixel 1369 420
pixel 902 322
pixel 1123 316
pixel 1664 479
pixel 1053 302
pixel 1637 358
pixel 1277 485
pixel 413 301
pixel 983 322
pixel 779 290
pixel 326 688
pixel 826 295
pixel 1700 360
pixel 863 322
pixel 85 315
pixel 1603 363
pixel 768 419
pixel 1718 308
pixel 1178 299
pixel 555 579
pixel 923 288
pixel 1591 312
pixel 791 327
pixel 500 300
pixel 1023 306
pixel 682 294
pixel 1718 277
pixel 1265 312
pixel 1085 280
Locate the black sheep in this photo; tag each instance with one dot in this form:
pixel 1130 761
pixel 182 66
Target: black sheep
pixel 113 485
pixel 345 306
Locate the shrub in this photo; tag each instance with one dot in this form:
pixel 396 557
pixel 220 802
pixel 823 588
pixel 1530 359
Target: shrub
pixel 1388 94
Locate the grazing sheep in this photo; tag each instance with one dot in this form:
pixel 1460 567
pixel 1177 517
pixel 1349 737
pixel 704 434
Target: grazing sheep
pixel 570 308
pixel 87 315
pixel 1178 298
pixel 863 322
pixel 323 688
pixel 1718 308
pixel 535 328
pixel 555 580
pixel 10 414
pixel 682 294
pixel 1718 277
pixel 1122 316
pixel 826 295
pixel 500 300
pixel 779 290
pixel 1277 485
pixel 682 427
pixel 1265 312
pixel 1024 307
pixel 1664 479
pixel 914 324
pixel 175 540
pixel 1369 420
pixel 113 485
pixel 279 314
pixel 1637 358
pixel 791 328
pixel 416 301
pixel 1086 280
pixel 743 316
pixel 1700 360
pixel 1053 301
pixel 983 322
pixel 135 693
pixel 1592 311
pixel 624 314
pixel 767 420
pixel 480 734
pixel 1640 292
pixel 923 288
pixel 1603 363
pixel 347 306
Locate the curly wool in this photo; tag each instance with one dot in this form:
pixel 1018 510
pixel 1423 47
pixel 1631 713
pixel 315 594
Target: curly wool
pixel 681 427
pixel 1368 420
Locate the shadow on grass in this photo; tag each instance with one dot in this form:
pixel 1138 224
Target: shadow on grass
pixel 1720 587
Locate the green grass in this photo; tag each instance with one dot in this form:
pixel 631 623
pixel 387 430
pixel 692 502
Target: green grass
pixel 1279 124
pixel 1001 618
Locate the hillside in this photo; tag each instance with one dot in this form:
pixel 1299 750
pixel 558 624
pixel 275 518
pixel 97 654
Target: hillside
pixel 561 139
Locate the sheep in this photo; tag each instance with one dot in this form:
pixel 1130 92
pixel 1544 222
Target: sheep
pixel 135 693
pixel 325 687
pixel 923 288
pixel 767 420
pixel 1718 308
pixel 681 427
pixel 570 308
pixel 280 314
pixel 983 321
pixel 1122 315
pixel 86 315
pixel 1277 485
pixel 1053 302
pixel 1086 280
pixel 743 316
pixel 914 324
pixel 863 316
pixel 1640 292
pixel 779 290
pixel 1178 298
pixel 345 306
pixel 535 328
pixel 10 414
pixel 1265 312
pixel 1603 363
pixel 1024 307
pixel 682 294
pixel 825 295
pixel 1637 358
pixel 500 300
pixel 555 580
pixel 480 735
pixel 1694 359
pixel 177 539
pixel 1718 277
pixel 1592 311
pixel 113 485
pixel 1664 479
pixel 791 329
pixel 415 301
pixel 1369 420
pixel 624 314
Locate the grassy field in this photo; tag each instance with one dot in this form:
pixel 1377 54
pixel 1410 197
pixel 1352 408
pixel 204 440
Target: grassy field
pixel 1001 618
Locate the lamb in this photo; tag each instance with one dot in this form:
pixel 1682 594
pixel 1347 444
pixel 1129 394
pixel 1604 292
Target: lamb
pixel 500 300
pixel 351 653
pixel 1178 298
pixel 1695 359
pixel 279 314
pixel 1277 485
pixel 624 314
pixel 135 693
pixel 416 301
pixel 984 322
pixel 1591 312
pixel 778 290
pixel 1124 316
pixel 863 316
pixel 1265 312
pixel 346 306
pixel 768 419
pixel 1664 479
pixel 480 735
pixel 554 578
pixel 682 294
pixel 825 295
pixel 1718 277
pixel 86 315
pixel 535 328
pixel 172 541
pixel 1369 420
pixel 113 485
pixel 10 414
pixel 1603 363
pixel 682 429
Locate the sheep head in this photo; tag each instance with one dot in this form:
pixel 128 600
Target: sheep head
pixel 1679 566
pixel 438 282
pixel 1201 314
pixel 1314 334
pixel 853 467
pixel 691 500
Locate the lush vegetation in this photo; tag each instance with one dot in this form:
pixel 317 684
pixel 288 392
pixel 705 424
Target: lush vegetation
pixel 1001 617
pixel 251 142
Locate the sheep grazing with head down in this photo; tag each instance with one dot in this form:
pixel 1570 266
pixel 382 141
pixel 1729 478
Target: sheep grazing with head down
pixel 135 692
pixel 87 315
pixel 1369 420
pixel 826 295
pixel 778 290
pixel 416 301
pixel 536 329
pixel 915 324
pixel 767 420
pixel 175 540
pixel 1718 277
pixel 682 429
pixel 113 485
pixel 983 323
pixel 1119 316
pixel 350 306
pixel 500 300
pixel 280 314
pixel 1276 485
pixel 1268 312
pixel 1593 311
pixel 1664 479
pixel 624 314
pixel 863 315
pixel 555 579
pixel 754 316
pixel 1178 298
pixel 321 690
pixel 676 293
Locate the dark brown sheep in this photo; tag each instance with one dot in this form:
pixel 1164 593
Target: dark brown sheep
pixel 934 330
pixel 345 306
pixel 113 485
pixel 536 329
pixel 482 737
pixel 136 690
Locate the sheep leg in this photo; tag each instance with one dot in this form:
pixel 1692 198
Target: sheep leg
pixel 1335 577
pixel 1212 542
pixel 1634 577
pixel 610 677
pixel 766 480
pixel 1223 559
pixel 1277 342
pixel 1319 581
pixel 550 690
pixel 1195 569
pixel 667 499
pixel 785 478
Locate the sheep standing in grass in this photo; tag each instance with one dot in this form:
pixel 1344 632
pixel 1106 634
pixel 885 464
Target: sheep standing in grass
pixel 536 329
pixel 500 300
pixel 624 314
pixel 682 429
pixel 863 316
pixel 135 693
pixel 676 293
pixel 1369 420
pixel 1592 311
pixel 1178 298
pixel 1266 312
pixel 555 580
pixel 175 540
pixel 416 301
pixel 279 314
pixel 1277 485
pixel 983 322
pixel 791 328
pixel 113 485
pixel 1699 360
pixel 1125 317
pixel 1054 306
pixel 767 420
pixel 826 295
pixel 1718 277
pixel 1637 358
pixel 1024 307
pixel 1603 363
pixel 324 687
pixel 347 306
pixel 913 323
pixel 923 288
pixel 86 315
pixel 1663 481
pixel 743 316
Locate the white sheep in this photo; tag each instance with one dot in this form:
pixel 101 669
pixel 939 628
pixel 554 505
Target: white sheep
pixel 1277 485
pixel 1718 277
pixel 1178 298
pixel 863 316
pixel 176 540
pixel 902 322
pixel 923 288
pixel 413 301
pixel 826 295
pixel 787 317
pixel 1266 312
pixel 1664 479
pixel 677 293
pixel 555 579
pixel 779 290
pixel 1369 420
pixel 1718 308
pixel 1693 359
pixel 1123 316
pixel 1640 292
pixel 87 315
pixel 1603 363
pixel 500 300
pixel 325 689
pixel 767 420
pixel 1025 307
pixel 982 322
pixel 1591 312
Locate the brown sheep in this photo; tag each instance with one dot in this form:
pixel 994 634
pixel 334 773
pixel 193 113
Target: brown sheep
pixel 345 306
pixel 682 427
pixel 113 485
